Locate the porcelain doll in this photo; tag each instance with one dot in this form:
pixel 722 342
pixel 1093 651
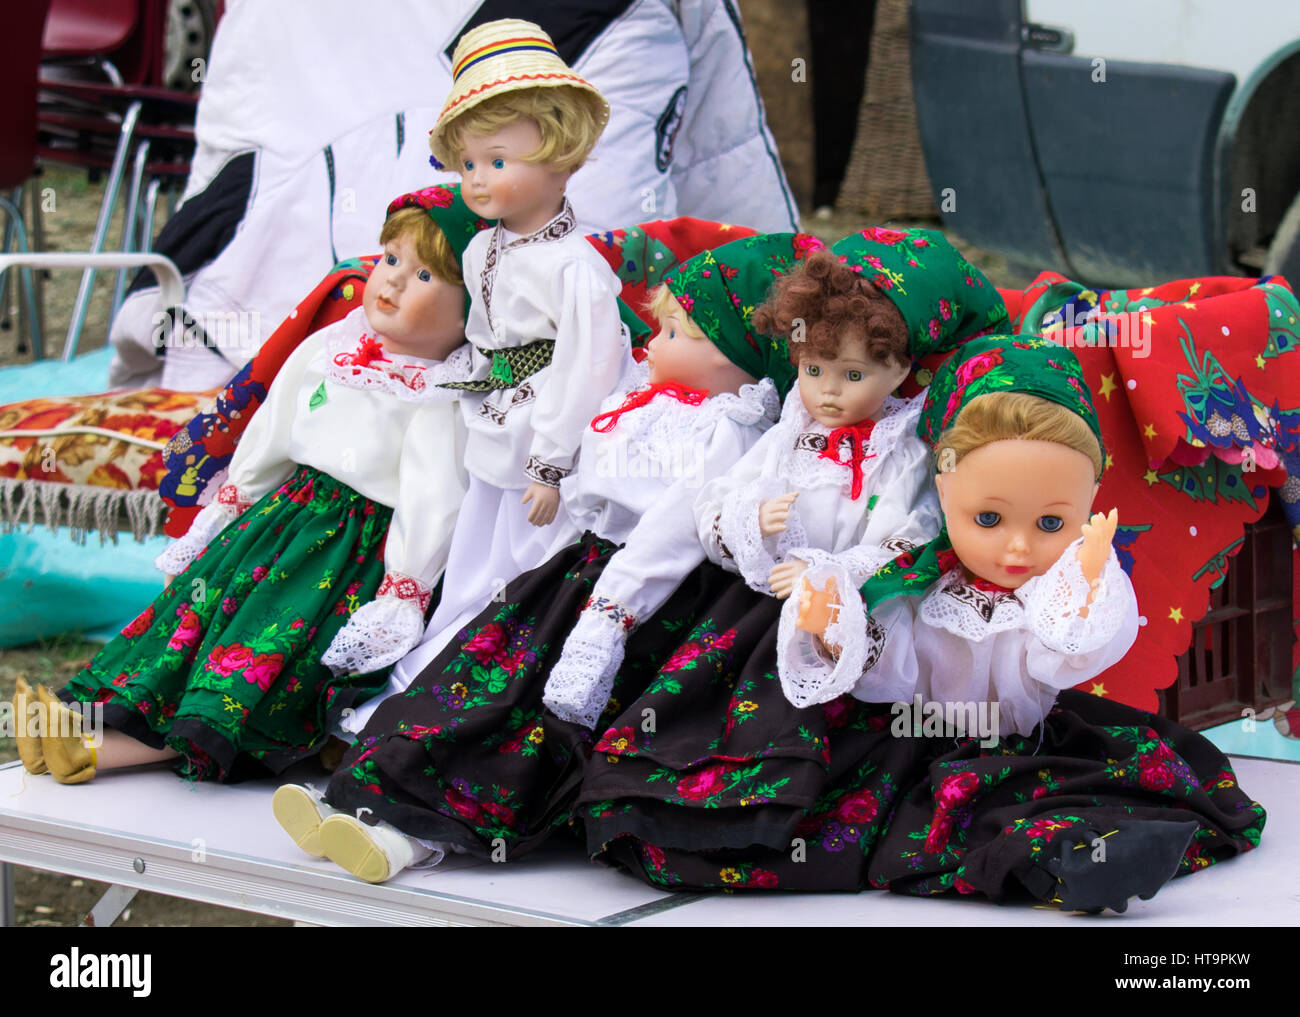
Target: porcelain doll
pixel 548 344
pixel 1033 808
pixel 468 758
pixel 310 572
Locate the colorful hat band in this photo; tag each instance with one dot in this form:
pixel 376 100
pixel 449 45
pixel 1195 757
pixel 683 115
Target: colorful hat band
pixel 519 45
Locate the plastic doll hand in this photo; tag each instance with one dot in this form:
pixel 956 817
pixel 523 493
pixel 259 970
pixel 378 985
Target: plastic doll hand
pixel 783 577
pixel 546 502
pixel 1098 533
pixel 167 579
pixel 817 608
pixel 773 513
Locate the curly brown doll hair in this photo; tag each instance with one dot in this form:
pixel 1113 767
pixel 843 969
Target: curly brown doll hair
pixel 827 302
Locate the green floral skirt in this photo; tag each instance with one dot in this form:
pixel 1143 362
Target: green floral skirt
pixel 224 667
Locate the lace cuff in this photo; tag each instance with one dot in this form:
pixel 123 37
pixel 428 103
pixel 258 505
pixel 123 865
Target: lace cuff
pixel 580 683
pixel 383 631
pixel 211 520
pixel 807 676
pixel 1053 601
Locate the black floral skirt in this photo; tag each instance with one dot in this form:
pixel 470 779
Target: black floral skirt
pixel 914 815
pixel 468 754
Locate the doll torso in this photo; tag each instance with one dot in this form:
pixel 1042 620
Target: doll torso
pixel 349 415
pixel 652 448
pixel 549 285
pixel 895 508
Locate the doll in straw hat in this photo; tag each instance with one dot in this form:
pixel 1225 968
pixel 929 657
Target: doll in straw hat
pixel 547 342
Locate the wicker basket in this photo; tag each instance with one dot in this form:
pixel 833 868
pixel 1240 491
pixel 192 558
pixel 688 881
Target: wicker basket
pixel 886 177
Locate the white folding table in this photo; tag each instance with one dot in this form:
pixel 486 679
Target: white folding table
pixel 219 844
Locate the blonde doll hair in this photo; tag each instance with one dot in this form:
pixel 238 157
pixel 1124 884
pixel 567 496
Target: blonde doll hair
pixel 662 303
pixel 998 416
pixel 571 121
pixel 431 244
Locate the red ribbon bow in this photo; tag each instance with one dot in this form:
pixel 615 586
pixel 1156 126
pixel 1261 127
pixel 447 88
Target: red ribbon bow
pixel 858 434
pixel 370 351
pixel 605 422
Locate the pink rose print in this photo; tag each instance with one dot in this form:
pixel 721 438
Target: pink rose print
pixel 805 243
pixel 883 236
pixel 489 645
pixel 226 660
pixel 858 808
pixel 945 309
pixel 704 784
pixel 940 830
pixel 763 878
pixel 947 559
pixel 263 669
pixel 187 633
pixel 681 657
pixel 957 789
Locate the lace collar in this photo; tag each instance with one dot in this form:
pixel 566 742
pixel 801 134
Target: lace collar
pixel 804 440
pixel 364 364
pixel 964 609
pixel 754 405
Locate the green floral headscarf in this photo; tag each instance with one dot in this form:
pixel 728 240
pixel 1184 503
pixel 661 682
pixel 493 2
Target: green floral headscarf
pixel 719 290
pixel 943 298
pixel 1001 363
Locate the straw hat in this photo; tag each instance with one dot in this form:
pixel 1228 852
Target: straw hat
pixel 506 56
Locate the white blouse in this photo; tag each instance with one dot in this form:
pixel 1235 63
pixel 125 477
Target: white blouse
pixel 550 284
pixel 896 508
pixel 385 430
pixel 636 484
pixel 960 644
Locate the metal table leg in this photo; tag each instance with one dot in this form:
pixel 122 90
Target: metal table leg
pixel 6 896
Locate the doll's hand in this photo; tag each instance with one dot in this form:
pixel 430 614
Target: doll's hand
pixel 167 579
pixel 783 577
pixel 1098 533
pixel 817 609
pixel 774 512
pixel 546 502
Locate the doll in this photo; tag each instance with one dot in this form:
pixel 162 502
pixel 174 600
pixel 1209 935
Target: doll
pixel 851 485
pixel 467 754
pixel 548 345
pixel 925 808
pixel 311 570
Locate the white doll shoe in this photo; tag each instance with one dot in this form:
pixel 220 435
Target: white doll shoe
pixel 300 810
pixel 373 853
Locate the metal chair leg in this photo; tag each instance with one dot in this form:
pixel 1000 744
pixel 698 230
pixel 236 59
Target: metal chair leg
pixel 129 225
pixel 15 225
pixel 101 228
pixel 147 216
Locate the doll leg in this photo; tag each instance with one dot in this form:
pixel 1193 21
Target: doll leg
pixel 373 853
pixel 73 757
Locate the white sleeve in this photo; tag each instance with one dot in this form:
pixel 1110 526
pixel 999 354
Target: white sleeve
pixel 431 485
pixel 1064 649
pixel 877 659
pixel 591 347
pixel 638 580
pixel 904 513
pixel 726 513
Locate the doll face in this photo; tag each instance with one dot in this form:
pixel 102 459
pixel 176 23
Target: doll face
pixel 848 388
pixel 497 183
pixel 674 356
pixel 415 312
pixel 1012 507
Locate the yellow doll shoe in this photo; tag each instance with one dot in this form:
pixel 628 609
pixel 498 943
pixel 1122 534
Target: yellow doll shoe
pixel 373 853
pixel 299 810
pixel 70 759
pixel 29 743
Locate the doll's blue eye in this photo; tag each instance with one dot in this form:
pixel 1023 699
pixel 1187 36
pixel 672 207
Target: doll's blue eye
pixel 987 519
pixel 424 275
pixel 1050 524
pixel 853 375
pixel 469 165
pixel 498 164
pixel 390 259
pixel 813 370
